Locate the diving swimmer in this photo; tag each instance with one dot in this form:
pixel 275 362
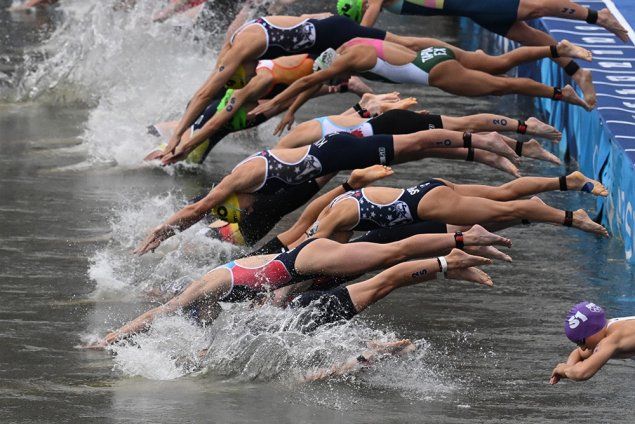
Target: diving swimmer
pixel 506 18
pixel 436 64
pixel 598 340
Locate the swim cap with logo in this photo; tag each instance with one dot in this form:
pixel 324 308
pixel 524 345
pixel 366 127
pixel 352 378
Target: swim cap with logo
pixel 238 80
pixel 239 120
pixel 229 210
pixel 584 320
pixel 351 9
pixel 324 60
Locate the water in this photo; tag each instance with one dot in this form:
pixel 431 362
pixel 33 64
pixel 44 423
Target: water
pixel 77 88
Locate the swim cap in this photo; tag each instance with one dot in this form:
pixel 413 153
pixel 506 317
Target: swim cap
pixel 239 120
pixel 324 60
pixel 351 9
pixel 584 320
pixel 229 211
pixel 238 80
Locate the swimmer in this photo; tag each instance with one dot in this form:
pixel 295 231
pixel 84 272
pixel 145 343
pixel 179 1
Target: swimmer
pixel 505 18
pixel 436 64
pixel 598 340
pixel 242 279
pixel 398 121
pixel 230 114
pixel 275 170
pixel 456 204
pixel 269 38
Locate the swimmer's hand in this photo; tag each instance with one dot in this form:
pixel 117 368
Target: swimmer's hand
pixel 98 345
pixel 286 121
pixel 151 242
pixel 172 158
pixel 557 373
pixel 262 108
pixel 155 155
pixel 362 177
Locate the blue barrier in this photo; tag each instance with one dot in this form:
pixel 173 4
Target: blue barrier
pixel 602 141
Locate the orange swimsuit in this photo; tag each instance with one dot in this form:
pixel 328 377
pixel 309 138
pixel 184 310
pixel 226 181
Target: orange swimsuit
pixel 283 75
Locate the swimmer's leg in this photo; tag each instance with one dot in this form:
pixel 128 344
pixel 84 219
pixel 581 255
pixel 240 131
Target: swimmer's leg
pixel 445 205
pixel 491 122
pixel 452 77
pixel 532 9
pixel 529 186
pixel 526 35
pixel 476 155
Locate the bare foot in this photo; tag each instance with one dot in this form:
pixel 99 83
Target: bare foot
pixel 474 275
pixel 379 98
pixel 533 149
pixel 610 23
pixel 538 128
pixel 362 177
pixel 393 348
pixel 357 86
pixel 578 181
pixel 568 49
pixel 479 236
pixel 459 259
pixel 570 96
pixel 584 79
pixel 495 143
pixel 488 252
pixel 401 104
pixel 498 162
pixel 582 221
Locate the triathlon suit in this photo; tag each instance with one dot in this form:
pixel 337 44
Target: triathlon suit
pixel 393 122
pixel 415 72
pixel 334 153
pixel 285 76
pixel 401 211
pixel 311 36
pixel 495 15
pixel 280 271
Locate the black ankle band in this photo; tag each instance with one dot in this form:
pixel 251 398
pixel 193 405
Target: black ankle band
pixel 571 68
pixel 467 139
pixel 557 93
pixel 470 155
pixel 568 218
pixel 361 111
pixel 554 51
pixel 592 17
pixel 519 148
pixel 525 221
pixel 344 87
pixel 563 183
pixel 347 187
pixel 458 240
pixel 522 127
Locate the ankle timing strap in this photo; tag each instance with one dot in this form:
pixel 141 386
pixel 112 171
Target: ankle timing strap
pixel 563 183
pixel 522 127
pixel 568 218
pixel 458 239
pixel 571 68
pixel 361 111
pixel 592 17
pixel 443 264
pixel 470 155
pixel 557 93
pixel 467 139
pixel 519 148
pixel 554 51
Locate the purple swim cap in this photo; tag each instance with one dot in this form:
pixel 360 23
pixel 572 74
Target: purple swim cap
pixel 584 320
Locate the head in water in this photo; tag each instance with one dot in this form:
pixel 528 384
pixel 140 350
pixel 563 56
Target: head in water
pixel 584 324
pixel 238 80
pixel 324 61
pixel 229 210
pixel 353 9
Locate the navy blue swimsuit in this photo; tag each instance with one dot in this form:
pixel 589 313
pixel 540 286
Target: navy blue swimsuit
pixel 402 211
pixel 333 153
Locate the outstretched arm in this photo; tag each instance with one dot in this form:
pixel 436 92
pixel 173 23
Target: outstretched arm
pixel 289 117
pixel 372 13
pixel 209 286
pixel 194 212
pixel 342 64
pixel 579 368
